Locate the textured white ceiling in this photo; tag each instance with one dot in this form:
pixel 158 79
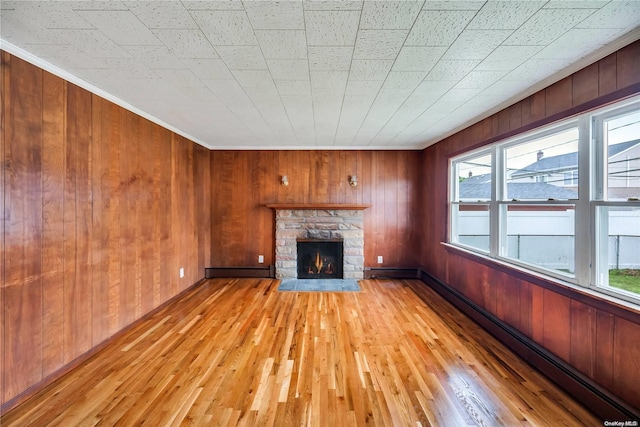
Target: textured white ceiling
pixel 312 74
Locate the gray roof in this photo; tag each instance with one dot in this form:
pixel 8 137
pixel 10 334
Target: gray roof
pixel 567 161
pixel 478 179
pixel 517 190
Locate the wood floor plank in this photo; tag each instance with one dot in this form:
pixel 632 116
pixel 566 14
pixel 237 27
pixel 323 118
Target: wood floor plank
pixel 236 352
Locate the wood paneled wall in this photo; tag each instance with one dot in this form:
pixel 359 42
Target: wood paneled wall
pixel 100 209
pixel 583 332
pixel 245 181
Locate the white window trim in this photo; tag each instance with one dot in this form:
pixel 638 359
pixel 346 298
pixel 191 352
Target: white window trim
pixel 588 229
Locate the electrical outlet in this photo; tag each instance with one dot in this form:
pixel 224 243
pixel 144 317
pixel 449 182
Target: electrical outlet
pixel 181 272
pixel 260 259
pixel 379 259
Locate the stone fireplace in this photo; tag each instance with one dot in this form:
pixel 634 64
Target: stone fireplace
pixel 343 223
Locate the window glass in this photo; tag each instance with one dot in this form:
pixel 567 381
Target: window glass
pixel 538 169
pixel 474 178
pixel 622 136
pixel 473 226
pixel 619 254
pixel 542 235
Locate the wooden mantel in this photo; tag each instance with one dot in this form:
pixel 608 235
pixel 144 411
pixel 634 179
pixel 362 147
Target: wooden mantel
pixel 310 206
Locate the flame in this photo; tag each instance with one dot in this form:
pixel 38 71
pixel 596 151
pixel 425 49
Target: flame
pixel 318 263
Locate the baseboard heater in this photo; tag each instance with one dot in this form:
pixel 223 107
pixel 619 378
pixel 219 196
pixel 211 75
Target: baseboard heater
pixel 391 273
pixel 267 272
pixel 582 388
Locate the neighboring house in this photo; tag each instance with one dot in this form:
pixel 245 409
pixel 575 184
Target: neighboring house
pixel 520 191
pixel 562 171
pixel 478 187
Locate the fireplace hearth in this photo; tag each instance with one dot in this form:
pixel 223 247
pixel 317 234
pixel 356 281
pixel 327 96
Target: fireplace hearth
pixel 320 258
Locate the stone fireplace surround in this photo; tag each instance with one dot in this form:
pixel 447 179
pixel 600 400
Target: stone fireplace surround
pixel 319 221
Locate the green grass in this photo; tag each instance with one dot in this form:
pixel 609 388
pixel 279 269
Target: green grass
pixel 627 279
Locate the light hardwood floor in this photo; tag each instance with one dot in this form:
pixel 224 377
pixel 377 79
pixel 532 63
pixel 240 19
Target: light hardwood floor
pixel 238 352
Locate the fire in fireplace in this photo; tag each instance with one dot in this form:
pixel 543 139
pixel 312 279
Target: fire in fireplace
pixel 320 259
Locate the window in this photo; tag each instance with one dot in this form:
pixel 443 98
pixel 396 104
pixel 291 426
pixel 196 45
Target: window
pixel 616 198
pixel 472 192
pixel 562 201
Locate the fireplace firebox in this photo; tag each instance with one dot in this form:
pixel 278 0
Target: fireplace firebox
pixel 320 259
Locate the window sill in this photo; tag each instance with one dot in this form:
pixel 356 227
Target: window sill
pixel 611 304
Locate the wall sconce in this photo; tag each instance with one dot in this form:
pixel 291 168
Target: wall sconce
pixel 353 180
pixel 284 181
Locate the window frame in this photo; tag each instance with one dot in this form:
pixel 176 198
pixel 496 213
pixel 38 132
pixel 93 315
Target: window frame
pixel 599 197
pixel 591 180
pixel 454 199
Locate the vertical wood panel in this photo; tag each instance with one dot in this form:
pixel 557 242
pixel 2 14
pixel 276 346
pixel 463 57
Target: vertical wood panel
pixel 147 208
pixel 515 116
pixel 366 185
pixel 167 253
pixel 559 96
pixel 135 196
pixel 583 333
pixel 53 170
pixel 607 74
pixel 174 222
pixel 23 230
pixel 111 200
pixel 402 208
pixel 79 164
pixel 537 314
pixel 70 239
pixel 389 182
pixel 508 301
pixel 489 289
pixel 604 349
pixel 533 108
pixel 628 65
pixel 585 84
pixel 189 246
pixel 504 121
pixel 526 308
pixel 557 311
pixel 4 105
pixel 626 359
pixel 202 202
pixel 127 306
pixel 379 199
pixel 99 250
pixel 159 211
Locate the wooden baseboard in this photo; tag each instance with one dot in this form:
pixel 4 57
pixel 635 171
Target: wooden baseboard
pixel 583 389
pixel 390 273
pixel 28 393
pixel 267 272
